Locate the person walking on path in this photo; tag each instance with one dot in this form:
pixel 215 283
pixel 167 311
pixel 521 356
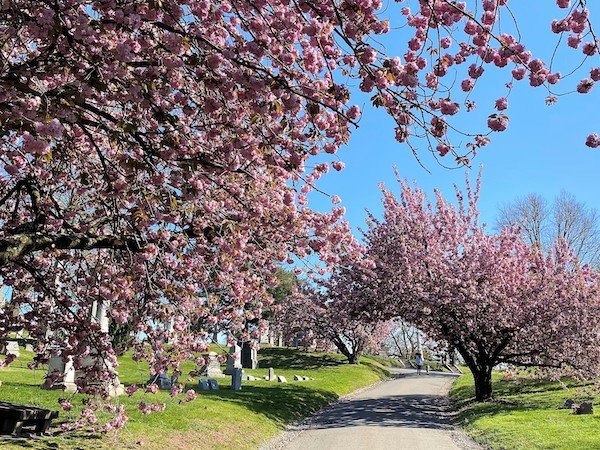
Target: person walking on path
pixel 419 362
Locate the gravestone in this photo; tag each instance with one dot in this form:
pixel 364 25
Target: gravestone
pixel 12 348
pixel 249 356
pixel 212 368
pixel 298 378
pixel 271 374
pixel 583 408
pixel 203 385
pixel 306 378
pixel 249 378
pixel 281 379
pixel 236 379
pixel 568 404
pixel 213 385
pixel 234 359
pixel 163 381
pixel 57 366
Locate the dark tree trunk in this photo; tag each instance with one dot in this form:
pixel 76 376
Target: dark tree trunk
pixel 483 383
pixel 353 358
pixel 352 354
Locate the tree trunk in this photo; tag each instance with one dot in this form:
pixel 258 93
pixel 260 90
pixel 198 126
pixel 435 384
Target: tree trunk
pixel 483 383
pixel 352 354
pixel 353 358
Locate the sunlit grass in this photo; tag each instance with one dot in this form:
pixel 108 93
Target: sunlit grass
pixel 217 419
pixel 526 414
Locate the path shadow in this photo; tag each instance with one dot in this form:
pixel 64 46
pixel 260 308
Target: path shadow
pixel 412 411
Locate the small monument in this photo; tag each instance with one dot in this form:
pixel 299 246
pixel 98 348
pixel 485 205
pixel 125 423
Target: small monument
pixel 236 379
pixel 249 356
pixel 271 374
pixel 57 367
pixel 12 348
pixel 163 381
pixel 281 379
pixel 583 408
pixel 234 359
pixel 212 368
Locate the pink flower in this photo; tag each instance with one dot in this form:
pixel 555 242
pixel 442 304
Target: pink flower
pixel 131 389
pixel 563 3
pixel 467 84
pixel 595 73
pixel 152 388
pixel 443 149
pixel 519 73
pixel 65 404
pixel 190 395
pixel 501 104
pixel 498 122
pixel 338 165
pixel 585 86
pixel 593 141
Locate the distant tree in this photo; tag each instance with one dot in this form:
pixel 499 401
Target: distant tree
pixel 565 218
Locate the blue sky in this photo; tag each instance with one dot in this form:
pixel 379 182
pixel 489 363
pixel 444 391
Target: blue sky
pixel 542 151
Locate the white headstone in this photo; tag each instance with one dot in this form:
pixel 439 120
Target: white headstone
pixel 234 359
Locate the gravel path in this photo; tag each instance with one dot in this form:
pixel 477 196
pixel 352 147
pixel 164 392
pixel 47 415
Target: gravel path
pixel 407 412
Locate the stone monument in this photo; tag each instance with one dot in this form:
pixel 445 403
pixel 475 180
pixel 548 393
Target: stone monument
pixel 234 359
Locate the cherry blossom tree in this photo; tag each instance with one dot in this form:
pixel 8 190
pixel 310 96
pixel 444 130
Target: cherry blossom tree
pixel 156 156
pixel 314 314
pixel 491 296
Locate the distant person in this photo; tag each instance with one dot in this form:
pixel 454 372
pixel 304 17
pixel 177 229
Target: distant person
pixel 419 361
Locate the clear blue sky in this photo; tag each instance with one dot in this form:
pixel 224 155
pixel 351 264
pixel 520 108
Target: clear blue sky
pixel 542 151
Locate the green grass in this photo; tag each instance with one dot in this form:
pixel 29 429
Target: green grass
pixel 525 414
pixel 217 419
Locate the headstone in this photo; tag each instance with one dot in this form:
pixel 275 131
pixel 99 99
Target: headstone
pixel 236 379
pixel 213 385
pixel 281 379
pixel 280 340
pixel 298 378
pixel 163 381
pixel 12 348
pixel 271 374
pixel 568 403
pixel 306 378
pixel 56 366
pixel 583 408
pixel 234 359
pixel 203 385
pixel 249 356
pixel 212 368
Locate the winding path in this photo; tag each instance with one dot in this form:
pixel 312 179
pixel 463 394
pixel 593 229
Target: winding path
pixel 407 412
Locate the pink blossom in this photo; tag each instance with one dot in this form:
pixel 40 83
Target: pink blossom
pixel 501 103
pixel 498 122
pixel 592 140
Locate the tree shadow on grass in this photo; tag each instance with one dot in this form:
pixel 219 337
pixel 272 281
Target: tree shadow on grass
pixel 285 359
pixel 282 403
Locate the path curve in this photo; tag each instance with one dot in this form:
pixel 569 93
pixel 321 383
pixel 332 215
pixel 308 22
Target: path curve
pixel 407 412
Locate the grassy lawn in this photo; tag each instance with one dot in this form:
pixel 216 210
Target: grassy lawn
pixel 525 414
pixel 217 419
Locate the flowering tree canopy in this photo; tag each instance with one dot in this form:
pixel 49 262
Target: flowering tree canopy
pixel 312 315
pixel 491 296
pixel 154 153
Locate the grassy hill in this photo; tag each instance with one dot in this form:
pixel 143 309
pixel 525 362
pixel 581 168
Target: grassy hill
pixel 216 419
pixel 526 414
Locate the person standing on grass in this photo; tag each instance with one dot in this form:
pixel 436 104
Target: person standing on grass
pixel 419 362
